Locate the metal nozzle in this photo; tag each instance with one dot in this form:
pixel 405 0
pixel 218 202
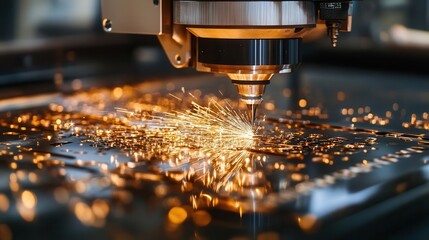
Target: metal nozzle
pixel 334 32
pixel 251 93
pixel 249 62
pixel 251 111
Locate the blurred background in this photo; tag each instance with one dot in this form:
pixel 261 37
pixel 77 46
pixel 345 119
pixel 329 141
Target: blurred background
pixel 45 45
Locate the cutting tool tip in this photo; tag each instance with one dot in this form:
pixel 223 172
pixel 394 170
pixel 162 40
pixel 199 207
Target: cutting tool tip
pixel 251 111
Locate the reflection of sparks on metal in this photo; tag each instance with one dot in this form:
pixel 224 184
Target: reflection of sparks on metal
pixel 211 141
pixel 415 122
pixel 82 148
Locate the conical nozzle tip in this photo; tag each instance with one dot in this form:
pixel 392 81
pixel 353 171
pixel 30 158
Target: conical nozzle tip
pixel 251 93
pixel 251 112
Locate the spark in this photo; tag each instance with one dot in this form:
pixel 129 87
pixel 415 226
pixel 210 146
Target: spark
pixel 150 136
pixel 210 142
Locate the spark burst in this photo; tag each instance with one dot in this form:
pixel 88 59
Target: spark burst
pixel 210 143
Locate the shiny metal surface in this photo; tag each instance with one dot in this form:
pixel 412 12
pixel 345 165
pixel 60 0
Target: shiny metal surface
pixel 251 111
pixel 250 77
pixel 328 164
pixel 135 16
pixel 251 92
pixel 245 72
pixel 181 27
pixel 248 33
pixel 242 13
pixel 177 46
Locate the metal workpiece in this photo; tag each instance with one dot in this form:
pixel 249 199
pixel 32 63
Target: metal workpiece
pixel 100 153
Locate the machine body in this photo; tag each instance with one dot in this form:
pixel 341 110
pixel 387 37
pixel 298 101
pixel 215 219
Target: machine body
pixel 250 41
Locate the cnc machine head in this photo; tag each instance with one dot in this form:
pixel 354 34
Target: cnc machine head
pixel 250 41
